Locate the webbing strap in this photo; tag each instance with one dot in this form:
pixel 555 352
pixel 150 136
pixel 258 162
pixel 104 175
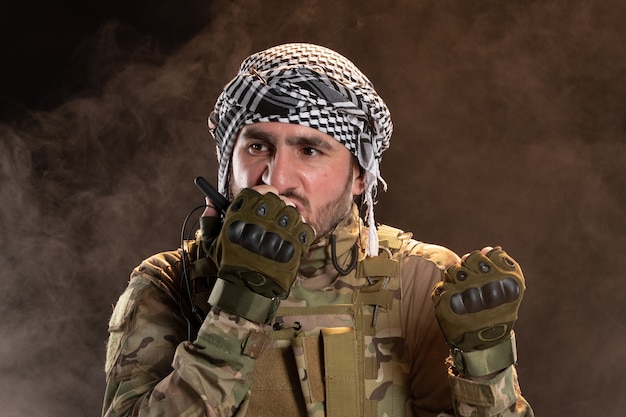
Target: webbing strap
pixel 486 361
pixel 382 298
pixel 242 302
pixel 315 310
pixel 371 367
pixel 342 371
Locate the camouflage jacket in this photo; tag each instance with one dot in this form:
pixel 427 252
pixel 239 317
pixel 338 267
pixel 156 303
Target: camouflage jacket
pixel 155 369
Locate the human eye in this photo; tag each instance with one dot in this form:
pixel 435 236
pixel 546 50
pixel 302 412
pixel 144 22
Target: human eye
pixel 314 147
pixel 311 151
pixel 257 148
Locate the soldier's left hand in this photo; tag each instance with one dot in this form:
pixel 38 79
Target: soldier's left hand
pixel 478 300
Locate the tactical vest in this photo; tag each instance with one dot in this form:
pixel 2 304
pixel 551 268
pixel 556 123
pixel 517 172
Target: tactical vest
pixel 336 352
pixel 339 351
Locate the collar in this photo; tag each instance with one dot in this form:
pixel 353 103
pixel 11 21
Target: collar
pixel 316 268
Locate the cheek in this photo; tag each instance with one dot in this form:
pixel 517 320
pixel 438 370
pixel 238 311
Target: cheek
pixel 328 185
pixel 243 173
pixel 239 178
pixel 324 181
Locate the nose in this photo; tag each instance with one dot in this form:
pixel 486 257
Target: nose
pixel 281 172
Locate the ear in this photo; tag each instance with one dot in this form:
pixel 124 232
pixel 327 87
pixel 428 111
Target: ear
pixel 358 179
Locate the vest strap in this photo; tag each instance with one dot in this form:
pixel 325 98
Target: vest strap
pixel 382 298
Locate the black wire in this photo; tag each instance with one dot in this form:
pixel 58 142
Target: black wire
pixel 333 253
pixel 185 279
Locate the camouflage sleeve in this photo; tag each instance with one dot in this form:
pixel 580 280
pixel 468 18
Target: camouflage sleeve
pixel 151 369
pixel 499 396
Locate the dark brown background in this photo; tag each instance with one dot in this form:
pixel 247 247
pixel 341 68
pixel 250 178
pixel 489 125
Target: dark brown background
pixel 509 129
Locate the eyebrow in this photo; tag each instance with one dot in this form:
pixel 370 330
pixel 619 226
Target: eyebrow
pixel 306 140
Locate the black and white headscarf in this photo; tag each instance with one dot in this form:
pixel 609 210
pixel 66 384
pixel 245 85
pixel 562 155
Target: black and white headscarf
pixel 312 86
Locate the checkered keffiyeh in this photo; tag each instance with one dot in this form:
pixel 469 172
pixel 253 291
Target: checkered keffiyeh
pixel 312 86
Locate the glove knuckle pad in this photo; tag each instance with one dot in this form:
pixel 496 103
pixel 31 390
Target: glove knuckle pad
pixel 488 296
pixel 456 274
pixel 257 240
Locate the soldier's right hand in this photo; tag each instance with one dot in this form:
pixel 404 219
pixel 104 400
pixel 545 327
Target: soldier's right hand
pixel 259 248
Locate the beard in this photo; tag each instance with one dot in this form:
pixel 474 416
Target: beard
pixel 329 216
pixel 326 218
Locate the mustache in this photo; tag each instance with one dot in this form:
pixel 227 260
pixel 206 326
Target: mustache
pixel 293 195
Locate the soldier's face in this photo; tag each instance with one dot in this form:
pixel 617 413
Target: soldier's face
pixel 307 168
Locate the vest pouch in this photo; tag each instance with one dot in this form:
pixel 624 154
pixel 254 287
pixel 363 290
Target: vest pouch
pixel 343 363
pixel 313 375
pixel 275 386
pixel 329 372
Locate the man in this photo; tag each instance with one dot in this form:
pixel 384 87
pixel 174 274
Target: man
pixel 291 304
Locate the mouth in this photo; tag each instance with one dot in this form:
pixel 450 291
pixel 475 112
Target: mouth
pixel 300 203
pixel 301 211
pixel 299 207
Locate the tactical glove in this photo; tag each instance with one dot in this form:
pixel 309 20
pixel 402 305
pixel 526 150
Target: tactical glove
pixel 258 253
pixel 209 230
pixel 476 305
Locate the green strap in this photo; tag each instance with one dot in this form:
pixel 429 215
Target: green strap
pixel 486 361
pixel 242 302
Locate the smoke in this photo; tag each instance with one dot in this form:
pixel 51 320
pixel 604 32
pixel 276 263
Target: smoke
pixel 509 129
pixel 84 197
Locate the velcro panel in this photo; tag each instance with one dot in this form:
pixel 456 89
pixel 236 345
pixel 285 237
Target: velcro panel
pixel 275 387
